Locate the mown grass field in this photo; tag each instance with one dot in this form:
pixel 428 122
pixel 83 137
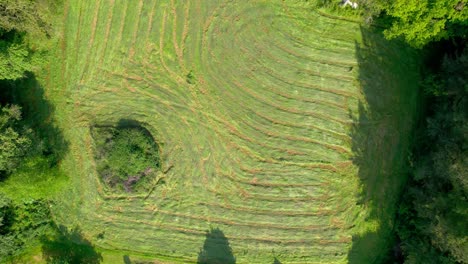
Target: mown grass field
pixel 291 135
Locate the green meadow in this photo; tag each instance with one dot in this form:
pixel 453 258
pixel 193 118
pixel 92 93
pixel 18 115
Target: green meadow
pixel 283 129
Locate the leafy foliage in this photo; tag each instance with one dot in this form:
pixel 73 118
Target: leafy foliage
pixel 420 22
pixel 125 154
pixel 25 30
pixel 16 59
pixel 28 16
pixel 14 139
pixel 29 223
pixel 20 225
pixel 433 226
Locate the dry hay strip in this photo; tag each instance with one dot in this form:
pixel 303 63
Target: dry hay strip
pixel 289 110
pixel 145 80
pixel 255 182
pixel 63 44
pixel 177 48
pixel 313 86
pixel 91 40
pixel 268 54
pixel 270 133
pixel 290 96
pixel 331 62
pixel 234 131
pixel 173 75
pixel 192 231
pixel 252 210
pixel 109 19
pixel 287 64
pixel 341 48
pixel 249 153
pixel 206 27
pixel 344 137
pixel 252 110
pixel 150 22
pixel 276 170
pixel 255 96
pixel 228 222
pixel 122 24
pixel 330 16
pixel 260 65
pixel 328 37
pixel 322 60
pixel 108 29
pixel 135 30
pixel 246 195
pixel 78 31
pixel 185 27
pixel 76 42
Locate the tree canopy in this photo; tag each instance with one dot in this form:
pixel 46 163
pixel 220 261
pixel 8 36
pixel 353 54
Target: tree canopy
pixel 421 22
pixel 14 139
pixel 433 226
pixel 26 16
pixel 25 27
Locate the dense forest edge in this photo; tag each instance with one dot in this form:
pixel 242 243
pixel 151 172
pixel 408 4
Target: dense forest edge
pixel 430 226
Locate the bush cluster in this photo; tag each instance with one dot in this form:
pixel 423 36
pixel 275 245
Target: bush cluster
pixel 125 157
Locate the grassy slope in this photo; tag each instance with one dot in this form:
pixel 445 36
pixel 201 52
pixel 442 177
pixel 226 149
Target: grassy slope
pixel 290 114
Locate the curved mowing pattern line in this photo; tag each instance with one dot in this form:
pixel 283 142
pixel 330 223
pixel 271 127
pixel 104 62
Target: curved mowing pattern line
pixel 254 141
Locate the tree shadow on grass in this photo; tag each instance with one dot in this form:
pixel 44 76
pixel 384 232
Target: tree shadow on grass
pixel 38 114
pixel 126 259
pixel 216 249
pixel 69 246
pixel 381 139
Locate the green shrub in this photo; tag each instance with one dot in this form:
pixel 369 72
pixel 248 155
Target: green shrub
pixel 21 226
pixel 125 156
pixel 432 217
pixel 14 138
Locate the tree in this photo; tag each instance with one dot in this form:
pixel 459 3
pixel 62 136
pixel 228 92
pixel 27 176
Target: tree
pixel 14 139
pixel 15 59
pixel 421 22
pixel 26 16
pixel 432 218
pixel 25 28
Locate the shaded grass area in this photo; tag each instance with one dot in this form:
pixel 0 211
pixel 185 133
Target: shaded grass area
pixel 28 231
pixel 68 246
pixel 382 139
pixel 216 249
pixel 38 175
pixel 38 114
pixel 36 178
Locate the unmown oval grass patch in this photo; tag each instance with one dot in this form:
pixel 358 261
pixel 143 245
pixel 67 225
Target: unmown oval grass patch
pixel 127 157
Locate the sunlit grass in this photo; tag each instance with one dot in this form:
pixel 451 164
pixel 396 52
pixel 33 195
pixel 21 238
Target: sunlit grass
pixel 34 179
